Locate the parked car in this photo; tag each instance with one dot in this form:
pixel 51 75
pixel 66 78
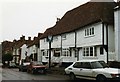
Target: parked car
pixel 92 70
pixel 36 67
pixel 23 65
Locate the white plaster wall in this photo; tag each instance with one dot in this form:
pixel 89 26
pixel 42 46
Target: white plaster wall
pixel 28 51
pixel 70 40
pixel 23 51
pixel 56 43
pixel 117 34
pixel 43 45
pixel 92 40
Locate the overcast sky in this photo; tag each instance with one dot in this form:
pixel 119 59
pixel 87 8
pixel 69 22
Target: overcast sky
pixel 29 17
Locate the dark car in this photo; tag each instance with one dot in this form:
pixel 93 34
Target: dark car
pixel 36 67
pixel 23 66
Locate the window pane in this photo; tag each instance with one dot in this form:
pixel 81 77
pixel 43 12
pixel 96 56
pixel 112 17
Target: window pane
pixel 93 31
pixel 91 51
pixel 83 51
pixel 101 50
pixel 95 51
pixel 88 32
pixel 87 51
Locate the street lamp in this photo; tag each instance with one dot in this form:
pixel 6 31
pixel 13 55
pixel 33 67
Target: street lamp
pixel 49 40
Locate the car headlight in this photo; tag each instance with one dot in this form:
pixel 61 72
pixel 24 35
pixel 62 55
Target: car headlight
pixel 115 75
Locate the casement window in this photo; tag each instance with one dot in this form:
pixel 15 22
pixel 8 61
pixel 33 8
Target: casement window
pixel 66 52
pixel 44 52
pixel 89 51
pixel 64 37
pixel 89 31
pixel 57 53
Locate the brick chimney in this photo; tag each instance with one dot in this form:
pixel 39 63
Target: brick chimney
pixel 22 38
pixel 29 38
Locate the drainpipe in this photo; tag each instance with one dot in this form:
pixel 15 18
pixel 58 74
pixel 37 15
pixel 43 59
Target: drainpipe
pixel 105 46
pixel 107 41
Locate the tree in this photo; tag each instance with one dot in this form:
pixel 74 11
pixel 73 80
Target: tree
pixel 7 57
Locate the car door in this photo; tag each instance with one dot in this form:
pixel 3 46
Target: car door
pixel 86 70
pixel 77 68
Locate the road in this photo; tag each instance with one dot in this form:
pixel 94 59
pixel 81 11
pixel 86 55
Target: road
pixel 14 74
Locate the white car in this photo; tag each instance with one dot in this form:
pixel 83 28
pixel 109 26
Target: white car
pixel 92 70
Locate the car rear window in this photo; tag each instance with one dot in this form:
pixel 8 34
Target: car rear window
pixel 82 65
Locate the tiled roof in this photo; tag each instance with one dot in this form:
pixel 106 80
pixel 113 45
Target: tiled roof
pixel 19 44
pixel 83 15
pixel 7 46
pixel 36 40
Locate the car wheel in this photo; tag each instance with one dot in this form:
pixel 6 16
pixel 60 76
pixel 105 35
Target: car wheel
pixel 101 78
pixel 72 76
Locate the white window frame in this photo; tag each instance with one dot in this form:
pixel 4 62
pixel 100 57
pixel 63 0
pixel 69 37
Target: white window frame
pixel 45 52
pixel 87 52
pixel 89 32
pixel 66 52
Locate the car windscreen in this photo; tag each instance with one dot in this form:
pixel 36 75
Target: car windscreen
pixel 99 64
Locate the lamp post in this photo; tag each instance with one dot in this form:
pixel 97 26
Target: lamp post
pixel 49 40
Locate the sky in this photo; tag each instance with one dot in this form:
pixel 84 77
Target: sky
pixel 30 17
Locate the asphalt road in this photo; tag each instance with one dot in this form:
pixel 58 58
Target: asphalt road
pixel 14 74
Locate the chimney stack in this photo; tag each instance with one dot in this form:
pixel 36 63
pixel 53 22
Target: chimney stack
pixel 22 38
pixel 29 38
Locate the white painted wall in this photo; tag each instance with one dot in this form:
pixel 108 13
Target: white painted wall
pixel 43 45
pixel 56 43
pixel 70 40
pixel 23 51
pixel 117 34
pixel 92 40
pixel 111 43
pixel 30 49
